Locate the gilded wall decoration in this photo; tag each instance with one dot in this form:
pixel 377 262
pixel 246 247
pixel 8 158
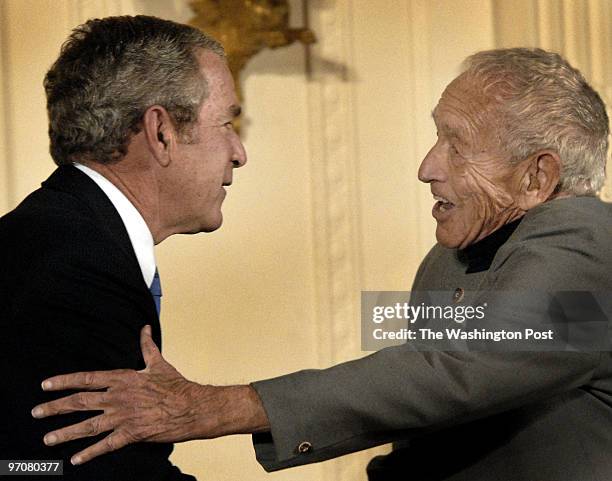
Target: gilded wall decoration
pixel 245 27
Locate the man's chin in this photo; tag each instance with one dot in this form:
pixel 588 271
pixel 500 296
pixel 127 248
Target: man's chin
pixel 446 239
pixel 207 226
pixel 213 226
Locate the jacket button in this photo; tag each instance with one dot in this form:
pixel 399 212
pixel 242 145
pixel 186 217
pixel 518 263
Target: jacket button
pixel 458 295
pixel 304 447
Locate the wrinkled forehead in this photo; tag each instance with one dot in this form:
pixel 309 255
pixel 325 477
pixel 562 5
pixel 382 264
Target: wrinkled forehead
pixel 465 105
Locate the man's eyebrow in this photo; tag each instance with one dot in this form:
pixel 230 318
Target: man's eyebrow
pixel 235 110
pixel 455 132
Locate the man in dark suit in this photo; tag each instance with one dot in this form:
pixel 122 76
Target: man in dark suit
pixel 140 122
pixel 521 152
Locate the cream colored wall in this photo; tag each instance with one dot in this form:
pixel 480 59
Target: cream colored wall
pixel 4 149
pixel 328 204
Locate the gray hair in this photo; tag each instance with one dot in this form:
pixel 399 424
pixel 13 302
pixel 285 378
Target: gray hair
pixel 541 102
pixel 110 71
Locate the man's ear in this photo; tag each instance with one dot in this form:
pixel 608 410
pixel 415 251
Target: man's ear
pixel 540 179
pixel 159 133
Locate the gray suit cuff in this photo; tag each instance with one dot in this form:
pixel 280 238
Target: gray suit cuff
pixel 306 411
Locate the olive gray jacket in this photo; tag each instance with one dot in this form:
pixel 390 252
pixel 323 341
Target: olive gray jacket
pixel 462 416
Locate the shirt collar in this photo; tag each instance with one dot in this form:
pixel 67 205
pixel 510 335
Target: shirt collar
pixel 480 255
pixel 137 229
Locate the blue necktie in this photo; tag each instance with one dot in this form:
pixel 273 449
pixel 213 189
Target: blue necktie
pixel 156 291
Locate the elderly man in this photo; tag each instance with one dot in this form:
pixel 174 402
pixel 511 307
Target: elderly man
pixel 140 121
pixel 521 152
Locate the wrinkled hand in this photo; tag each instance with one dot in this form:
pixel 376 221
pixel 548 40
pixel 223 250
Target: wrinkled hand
pixel 156 404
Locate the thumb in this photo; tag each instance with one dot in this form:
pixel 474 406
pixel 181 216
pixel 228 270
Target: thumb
pixel 149 350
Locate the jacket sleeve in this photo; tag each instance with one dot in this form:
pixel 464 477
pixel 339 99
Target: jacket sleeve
pixel 398 393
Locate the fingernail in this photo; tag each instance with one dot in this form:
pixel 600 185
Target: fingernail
pixel 75 460
pixel 50 439
pixel 148 329
pixel 47 385
pixel 37 412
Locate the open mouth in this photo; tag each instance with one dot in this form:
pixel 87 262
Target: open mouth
pixel 442 205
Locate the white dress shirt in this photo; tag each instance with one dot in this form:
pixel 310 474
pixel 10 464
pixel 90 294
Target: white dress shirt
pixel 137 229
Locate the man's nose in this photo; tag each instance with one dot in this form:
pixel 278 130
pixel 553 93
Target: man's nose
pixel 431 166
pixel 239 157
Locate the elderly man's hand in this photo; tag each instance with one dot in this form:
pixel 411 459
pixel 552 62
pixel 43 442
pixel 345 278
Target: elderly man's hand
pixel 156 404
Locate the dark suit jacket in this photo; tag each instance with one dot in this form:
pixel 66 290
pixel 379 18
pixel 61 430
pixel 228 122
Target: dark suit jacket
pixel 72 299
pixel 469 416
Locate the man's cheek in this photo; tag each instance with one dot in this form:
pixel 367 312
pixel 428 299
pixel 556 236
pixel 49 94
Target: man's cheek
pixel 458 163
pixel 497 198
pixel 459 167
pixel 491 184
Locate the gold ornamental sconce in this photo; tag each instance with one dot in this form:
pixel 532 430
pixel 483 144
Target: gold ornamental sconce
pixel 245 27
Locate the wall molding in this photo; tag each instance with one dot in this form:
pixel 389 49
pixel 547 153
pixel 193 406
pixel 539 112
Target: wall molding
pixel 335 193
pixel 334 184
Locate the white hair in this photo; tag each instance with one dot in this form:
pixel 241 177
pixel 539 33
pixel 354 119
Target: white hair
pixel 541 102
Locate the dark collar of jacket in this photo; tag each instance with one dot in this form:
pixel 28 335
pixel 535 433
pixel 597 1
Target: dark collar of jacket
pixel 480 255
